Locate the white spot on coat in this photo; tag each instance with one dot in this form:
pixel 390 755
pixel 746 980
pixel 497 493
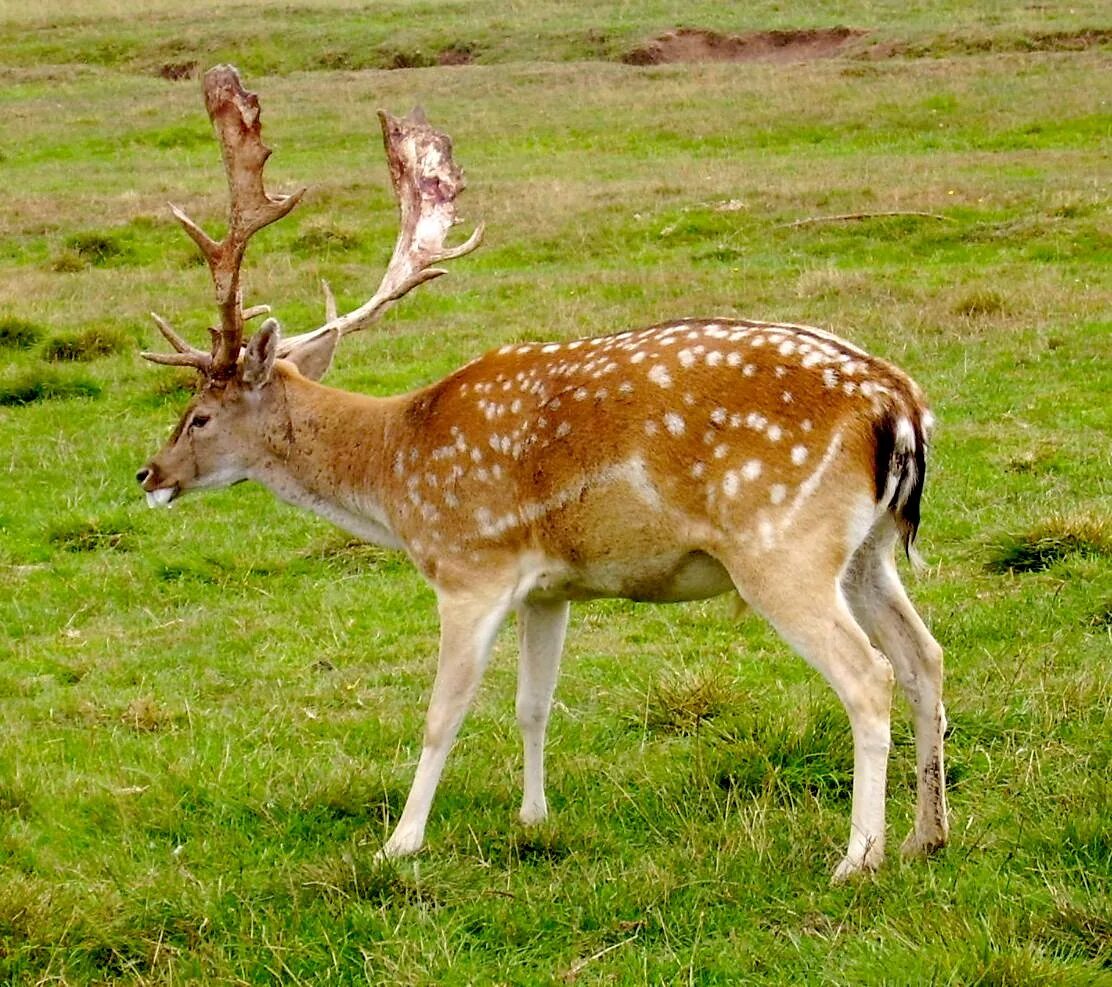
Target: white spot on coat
pixel 674 423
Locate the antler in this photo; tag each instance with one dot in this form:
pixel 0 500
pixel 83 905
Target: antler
pixel 235 114
pixel 426 183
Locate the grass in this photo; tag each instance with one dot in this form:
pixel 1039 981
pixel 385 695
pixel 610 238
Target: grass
pixel 211 715
pixel 18 334
pixel 1051 541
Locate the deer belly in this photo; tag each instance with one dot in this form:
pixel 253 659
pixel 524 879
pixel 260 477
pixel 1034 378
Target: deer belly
pixel 663 579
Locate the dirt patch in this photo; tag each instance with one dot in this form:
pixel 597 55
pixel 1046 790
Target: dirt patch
pixel 689 44
pixel 177 71
pixel 456 55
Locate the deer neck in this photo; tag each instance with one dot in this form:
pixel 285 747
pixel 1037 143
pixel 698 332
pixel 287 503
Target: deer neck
pixel 326 452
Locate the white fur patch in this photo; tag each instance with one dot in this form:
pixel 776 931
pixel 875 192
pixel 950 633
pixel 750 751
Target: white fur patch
pixel 161 497
pixel 674 423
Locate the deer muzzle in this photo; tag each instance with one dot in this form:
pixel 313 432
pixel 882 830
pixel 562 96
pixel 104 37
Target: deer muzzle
pixel 157 495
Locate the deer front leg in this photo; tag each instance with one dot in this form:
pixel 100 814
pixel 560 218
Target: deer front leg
pixel 467 628
pixel 540 634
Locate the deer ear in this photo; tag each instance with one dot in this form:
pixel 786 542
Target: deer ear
pixel 259 355
pixel 313 357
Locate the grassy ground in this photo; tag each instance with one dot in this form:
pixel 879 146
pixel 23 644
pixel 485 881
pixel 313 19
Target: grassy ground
pixel 211 716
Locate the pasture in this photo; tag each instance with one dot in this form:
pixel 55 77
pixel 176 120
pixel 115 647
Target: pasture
pixel 210 717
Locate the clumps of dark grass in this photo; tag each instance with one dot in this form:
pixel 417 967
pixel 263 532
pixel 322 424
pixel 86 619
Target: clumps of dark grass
pixel 355 875
pixel 1081 930
pixel 178 71
pixel 91 535
pixel 1102 616
pixel 459 53
pixel 94 247
pixel 14 798
pixel 407 58
pixel 41 384
pixel 91 344
pixel 1049 542
pixel 348 795
pixel 682 702
pixel 209 571
pixel 319 240
pixel 68 262
pixel 981 303
pixel 537 844
pixel 352 555
pixel 789 757
pixel 18 334
pixel 1042 459
pixel 145 714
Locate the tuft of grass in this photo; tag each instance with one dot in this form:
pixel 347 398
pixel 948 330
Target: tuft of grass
pixel 18 334
pixel 1085 928
pixel 318 240
pixel 91 535
pixel 68 262
pixel 788 757
pixel 541 844
pixel 91 344
pixel 354 875
pixel 145 714
pixel 1051 541
pixel 1102 616
pixel 94 247
pixel 353 556
pixel 407 58
pixel 981 303
pixel 681 702
pixel 41 384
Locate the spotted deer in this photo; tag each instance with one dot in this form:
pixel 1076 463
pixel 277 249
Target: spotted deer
pixel 677 462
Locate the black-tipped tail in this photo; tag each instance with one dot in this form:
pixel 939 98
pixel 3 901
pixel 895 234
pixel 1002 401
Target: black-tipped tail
pixel 901 467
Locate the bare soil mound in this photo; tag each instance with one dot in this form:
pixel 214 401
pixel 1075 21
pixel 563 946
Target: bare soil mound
pixel 689 44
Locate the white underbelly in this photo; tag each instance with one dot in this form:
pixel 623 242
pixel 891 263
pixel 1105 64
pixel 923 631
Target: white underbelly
pixel 669 579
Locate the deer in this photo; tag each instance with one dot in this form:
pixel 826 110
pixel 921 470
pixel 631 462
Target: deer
pixel 676 462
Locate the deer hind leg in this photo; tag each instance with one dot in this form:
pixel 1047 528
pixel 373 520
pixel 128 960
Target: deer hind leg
pixel 540 633
pixel 804 603
pixel 468 625
pixel 881 605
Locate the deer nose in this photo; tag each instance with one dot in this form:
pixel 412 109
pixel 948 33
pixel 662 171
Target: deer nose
pixel 142 475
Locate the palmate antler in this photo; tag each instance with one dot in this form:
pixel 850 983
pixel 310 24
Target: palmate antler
pixel 426 182
pixel 235 114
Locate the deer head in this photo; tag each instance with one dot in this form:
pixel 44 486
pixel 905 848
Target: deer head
pixel 236 420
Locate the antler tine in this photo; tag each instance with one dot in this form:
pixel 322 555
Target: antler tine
pixel 186 355
pixel 236 116
pixel 426 184
pixel 330 310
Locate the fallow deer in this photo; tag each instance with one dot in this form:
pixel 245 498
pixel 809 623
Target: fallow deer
pixel 671 463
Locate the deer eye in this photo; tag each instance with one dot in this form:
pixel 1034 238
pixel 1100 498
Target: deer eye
pixel 199 421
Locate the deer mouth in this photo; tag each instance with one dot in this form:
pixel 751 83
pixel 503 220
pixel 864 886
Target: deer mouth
pixel 162 497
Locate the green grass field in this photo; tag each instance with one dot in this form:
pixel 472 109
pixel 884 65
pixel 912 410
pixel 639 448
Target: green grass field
pixel 209 717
